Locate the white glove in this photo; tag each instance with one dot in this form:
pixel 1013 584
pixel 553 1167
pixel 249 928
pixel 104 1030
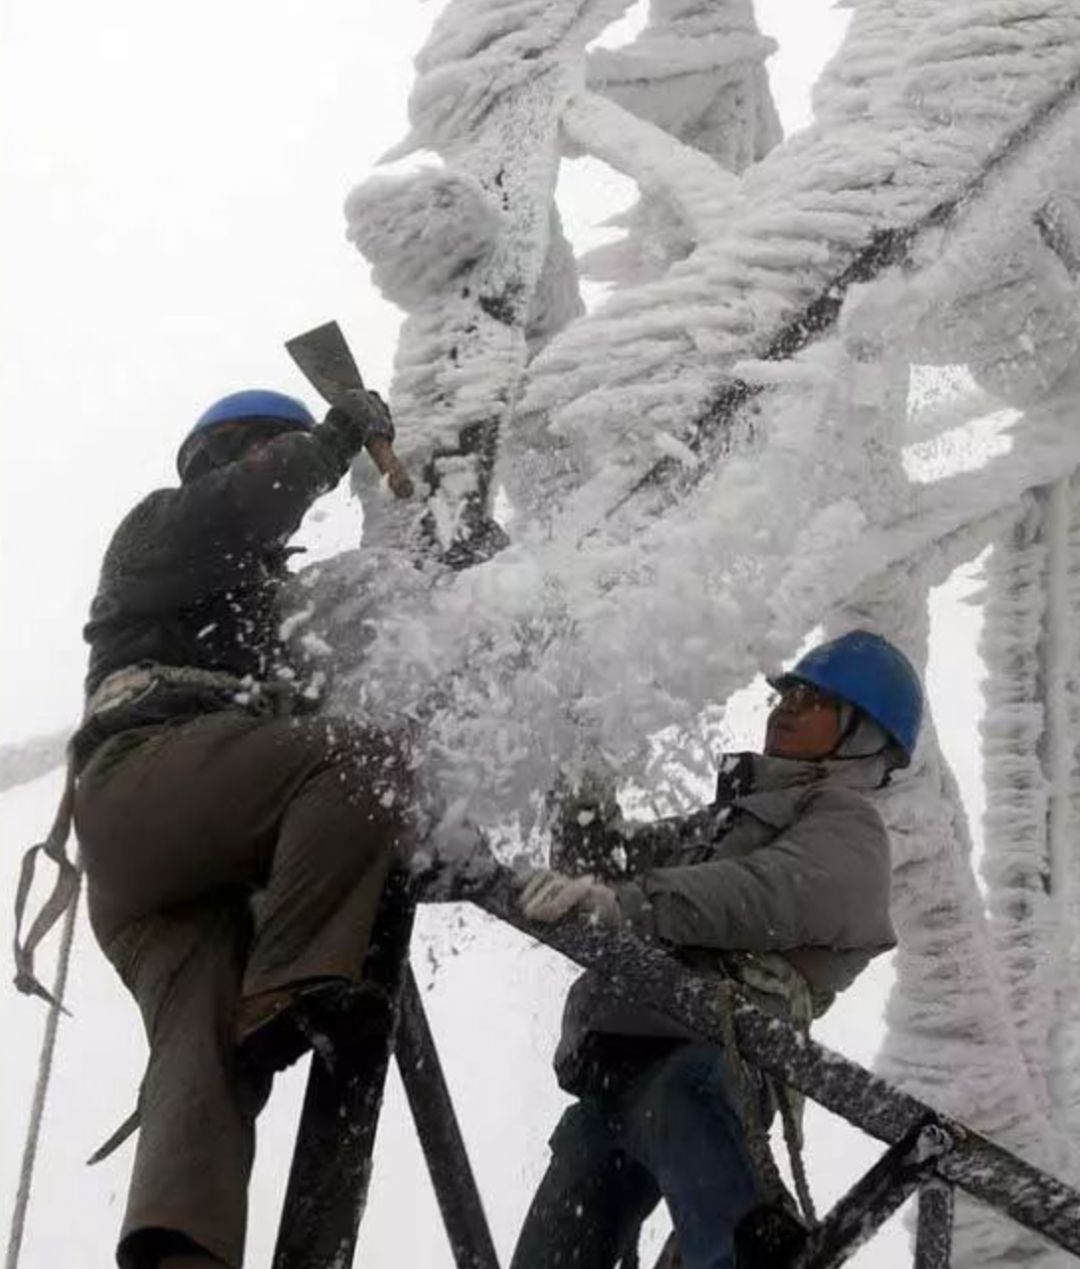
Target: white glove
pixel 548 896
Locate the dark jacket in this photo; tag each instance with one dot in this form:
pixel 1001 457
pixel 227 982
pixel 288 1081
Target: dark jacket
pixel 789 858
pixel 192 576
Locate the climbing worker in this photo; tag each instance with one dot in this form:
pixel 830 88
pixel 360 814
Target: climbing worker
pixel 235 843
pixel 781 885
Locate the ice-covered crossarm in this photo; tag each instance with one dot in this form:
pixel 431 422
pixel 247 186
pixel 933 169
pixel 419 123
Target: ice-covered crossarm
pixel 696 188
pixel 613 636
pixel 894 140
pixel 469 250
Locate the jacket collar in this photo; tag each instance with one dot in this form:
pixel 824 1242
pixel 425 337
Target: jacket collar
pixel 764 786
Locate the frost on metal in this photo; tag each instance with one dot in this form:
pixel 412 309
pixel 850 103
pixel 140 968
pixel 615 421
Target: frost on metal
pixel 696 74
pixel 594 632
pixel 952 1040
pixel 659 352
pixel 1029 745
pixel 421 232
pixel 712 462
pixel 487 266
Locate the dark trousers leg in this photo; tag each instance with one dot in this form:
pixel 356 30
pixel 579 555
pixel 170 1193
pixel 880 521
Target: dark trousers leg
pixel 197 1130
pixel 591 1201
pixel 336 842
pixel 310 812
pixel 680 1123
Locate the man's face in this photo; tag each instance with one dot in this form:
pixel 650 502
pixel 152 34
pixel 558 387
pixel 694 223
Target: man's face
pixel 804 723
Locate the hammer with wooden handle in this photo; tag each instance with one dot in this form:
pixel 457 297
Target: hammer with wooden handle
pixel 325 359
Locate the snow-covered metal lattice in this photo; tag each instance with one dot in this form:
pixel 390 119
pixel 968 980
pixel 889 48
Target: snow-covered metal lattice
pixel 737 445
pixel 734 447
pixel 719 456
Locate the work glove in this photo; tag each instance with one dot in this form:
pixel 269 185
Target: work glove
pixel 359 417
pixel 548 896
pixel 369 411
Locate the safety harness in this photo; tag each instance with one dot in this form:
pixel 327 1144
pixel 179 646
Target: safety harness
pixel 775 1222
pixel 133 696
pixel 773 976
pixel 54 907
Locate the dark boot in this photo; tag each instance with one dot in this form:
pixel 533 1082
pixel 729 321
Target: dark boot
pixel 275 1028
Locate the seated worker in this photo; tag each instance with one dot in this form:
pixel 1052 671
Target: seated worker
pixel 782 884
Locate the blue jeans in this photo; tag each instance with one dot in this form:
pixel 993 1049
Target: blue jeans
pixel 673 1132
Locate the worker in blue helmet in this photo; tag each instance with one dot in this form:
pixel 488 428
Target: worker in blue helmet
pixel 782 885
pixel 877 686
pixel 234 421
pixel 235 841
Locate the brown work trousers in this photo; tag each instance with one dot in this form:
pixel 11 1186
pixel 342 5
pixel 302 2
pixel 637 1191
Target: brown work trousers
pixel 226 855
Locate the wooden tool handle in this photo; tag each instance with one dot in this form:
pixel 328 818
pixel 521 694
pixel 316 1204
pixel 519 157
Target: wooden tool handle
pixel 384 458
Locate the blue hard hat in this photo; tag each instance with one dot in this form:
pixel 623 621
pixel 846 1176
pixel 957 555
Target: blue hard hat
pixel 260 404
pixel 870 673
pixel 256 403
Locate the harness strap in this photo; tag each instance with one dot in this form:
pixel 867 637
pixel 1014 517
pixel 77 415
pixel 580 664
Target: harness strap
pixel 62 896
pixel 773 975
pixel 791 1118
pixel 126 687
pixel 737 971
pixel 746 1103
pixel 119 695
pixel 117 692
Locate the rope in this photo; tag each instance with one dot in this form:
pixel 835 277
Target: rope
pixel 746 1099
pixel 762 1162
pixel 794 1142
pixel 44 1075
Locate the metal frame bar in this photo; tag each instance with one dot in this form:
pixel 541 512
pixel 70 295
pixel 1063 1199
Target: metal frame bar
pixel 988 1172
pixel 329 1178
pixel 874 1198
pixel 331 1166
pixel 885 248
pixel 933 1234
pixel 440 1136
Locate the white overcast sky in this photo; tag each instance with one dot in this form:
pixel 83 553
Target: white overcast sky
pixel 171 186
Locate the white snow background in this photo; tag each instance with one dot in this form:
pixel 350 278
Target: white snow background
pixel 171 185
